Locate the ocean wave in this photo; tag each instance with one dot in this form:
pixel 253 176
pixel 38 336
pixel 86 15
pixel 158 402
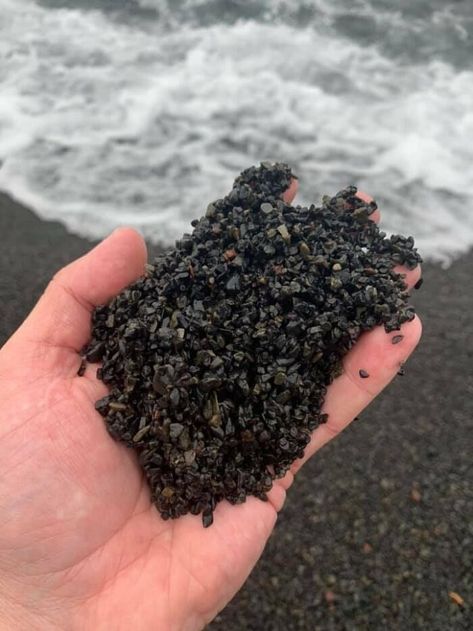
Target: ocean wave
pixel 104 122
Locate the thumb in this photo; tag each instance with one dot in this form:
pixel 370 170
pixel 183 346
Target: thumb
pixel 61 318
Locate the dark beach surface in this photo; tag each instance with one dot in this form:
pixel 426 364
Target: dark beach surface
pixel 378 528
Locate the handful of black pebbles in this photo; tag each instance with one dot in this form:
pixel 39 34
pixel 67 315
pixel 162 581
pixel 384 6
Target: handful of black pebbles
pixel 219 358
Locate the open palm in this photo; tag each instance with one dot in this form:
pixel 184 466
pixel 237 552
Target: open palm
pixel 81 546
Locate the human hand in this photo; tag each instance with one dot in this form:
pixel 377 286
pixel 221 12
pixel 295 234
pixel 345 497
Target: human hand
pixel 81 546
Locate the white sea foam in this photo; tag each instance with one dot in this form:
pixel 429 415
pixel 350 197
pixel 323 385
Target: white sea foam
pixel 103 123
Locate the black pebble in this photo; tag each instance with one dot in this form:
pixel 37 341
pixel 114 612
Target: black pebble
pixel 419 283
pixel 82 367
pixel 95 351
pixel 207 518
pixel 219 358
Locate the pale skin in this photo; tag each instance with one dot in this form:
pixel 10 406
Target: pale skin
pixel 81 546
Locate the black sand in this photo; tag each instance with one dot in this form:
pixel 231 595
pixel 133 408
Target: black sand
pixel 377 529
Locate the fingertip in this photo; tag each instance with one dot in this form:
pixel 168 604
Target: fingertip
pixel 131 240
pixel 291 192
pixel 404 341
pixel 411 276
pixel 364 197
pixel 123 254
pixel 415 329
pixel 410 332
pixel 109 267
pixel 379 354
pixel 376 216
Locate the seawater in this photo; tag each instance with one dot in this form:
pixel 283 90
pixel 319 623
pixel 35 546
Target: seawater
pixel 141 112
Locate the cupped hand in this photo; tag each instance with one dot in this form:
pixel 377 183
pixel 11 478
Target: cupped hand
pixel 81 546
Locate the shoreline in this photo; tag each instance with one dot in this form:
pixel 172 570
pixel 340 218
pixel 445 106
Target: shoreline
pixel 375 530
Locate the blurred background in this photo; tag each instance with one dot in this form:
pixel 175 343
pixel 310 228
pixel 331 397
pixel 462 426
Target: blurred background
pixel 142 111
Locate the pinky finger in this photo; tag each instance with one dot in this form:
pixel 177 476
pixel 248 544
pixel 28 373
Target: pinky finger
pixel 367 369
